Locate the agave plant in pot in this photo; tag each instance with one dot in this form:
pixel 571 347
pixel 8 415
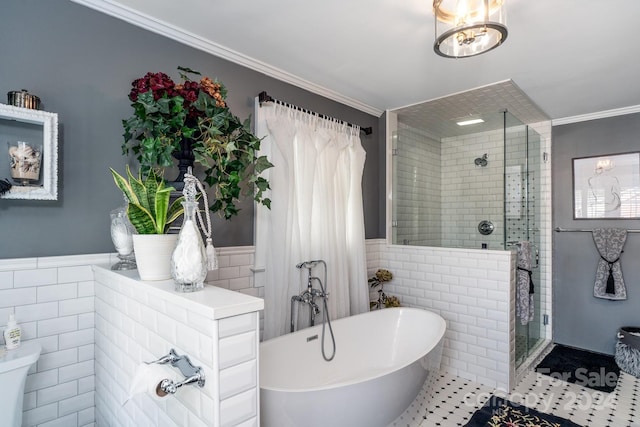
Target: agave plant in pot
pixel 190 122
pixel 150 212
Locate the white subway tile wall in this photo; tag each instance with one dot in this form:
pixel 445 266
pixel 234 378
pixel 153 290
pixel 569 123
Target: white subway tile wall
pixel 136 324
pixel 416 189
pixel 423 279
pixel 482 194
pixel 471 290
pixel 237 260
pixel 472 193
pixel 53 301
pixel 235 271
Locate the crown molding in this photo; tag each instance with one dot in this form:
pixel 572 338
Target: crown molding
pixel 598 115
pixel 149 23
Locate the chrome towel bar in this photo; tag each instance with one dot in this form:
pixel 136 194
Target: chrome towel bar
pixel 560 229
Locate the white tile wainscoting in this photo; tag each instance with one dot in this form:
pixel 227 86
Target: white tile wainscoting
pixel 53 298
pixel 139 322
pixel 472 290
pixel 53 301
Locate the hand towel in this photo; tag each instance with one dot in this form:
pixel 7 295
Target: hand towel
pixel 609 283
pixel 524 283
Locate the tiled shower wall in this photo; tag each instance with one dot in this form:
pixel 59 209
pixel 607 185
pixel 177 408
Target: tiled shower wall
pixel 517 188
pixel 471 193
pixel 416 191
pixel 441 195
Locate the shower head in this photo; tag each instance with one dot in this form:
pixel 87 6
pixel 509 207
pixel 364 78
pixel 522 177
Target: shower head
pixel 481 161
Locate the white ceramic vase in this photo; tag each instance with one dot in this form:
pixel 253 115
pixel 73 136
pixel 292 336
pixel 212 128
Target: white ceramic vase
pixel 153 255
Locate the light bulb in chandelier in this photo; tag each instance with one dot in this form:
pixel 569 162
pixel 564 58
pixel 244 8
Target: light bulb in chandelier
pixel 465 28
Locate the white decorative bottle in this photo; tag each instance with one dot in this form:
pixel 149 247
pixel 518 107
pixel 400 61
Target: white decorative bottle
pixel 189 258
pixel 12 334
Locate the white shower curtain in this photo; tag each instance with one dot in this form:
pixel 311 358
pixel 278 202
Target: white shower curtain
pixel 316 213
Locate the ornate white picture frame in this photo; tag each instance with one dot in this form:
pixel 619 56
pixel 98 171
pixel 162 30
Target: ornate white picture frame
pixel 48 187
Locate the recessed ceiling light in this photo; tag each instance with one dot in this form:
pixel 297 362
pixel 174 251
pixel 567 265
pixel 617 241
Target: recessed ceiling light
pixel 469 122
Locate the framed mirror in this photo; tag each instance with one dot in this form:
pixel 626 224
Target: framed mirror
pixel 29 141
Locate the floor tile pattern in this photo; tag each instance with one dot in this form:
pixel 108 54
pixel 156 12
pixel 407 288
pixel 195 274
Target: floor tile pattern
pixel 449 401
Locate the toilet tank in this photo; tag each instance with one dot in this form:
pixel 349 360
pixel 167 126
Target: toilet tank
pixel 14 366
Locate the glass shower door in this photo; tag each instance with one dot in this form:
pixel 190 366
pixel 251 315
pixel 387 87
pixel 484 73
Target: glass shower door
pixel 523 159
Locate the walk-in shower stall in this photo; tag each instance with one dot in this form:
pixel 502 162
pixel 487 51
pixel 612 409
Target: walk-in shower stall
pixel 472 186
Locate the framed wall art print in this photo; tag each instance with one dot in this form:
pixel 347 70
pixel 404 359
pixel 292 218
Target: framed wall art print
pixel 607 186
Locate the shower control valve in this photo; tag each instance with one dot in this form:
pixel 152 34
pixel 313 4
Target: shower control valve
pixel 485 227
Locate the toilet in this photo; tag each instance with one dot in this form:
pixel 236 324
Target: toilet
pixel 14 366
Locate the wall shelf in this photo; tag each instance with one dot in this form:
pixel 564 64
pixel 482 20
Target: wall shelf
pixel 38 128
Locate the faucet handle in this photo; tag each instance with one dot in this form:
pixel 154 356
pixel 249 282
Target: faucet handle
pixel 319 293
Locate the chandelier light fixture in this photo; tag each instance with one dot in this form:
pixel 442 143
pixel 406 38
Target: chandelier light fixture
pixel 465 28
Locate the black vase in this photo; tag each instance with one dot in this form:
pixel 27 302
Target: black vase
pixel 185 158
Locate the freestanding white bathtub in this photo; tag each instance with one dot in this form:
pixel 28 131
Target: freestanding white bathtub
pixel 382 361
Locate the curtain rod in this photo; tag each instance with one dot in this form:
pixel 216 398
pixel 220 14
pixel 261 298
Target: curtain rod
pixel 560 229
pixel 265 97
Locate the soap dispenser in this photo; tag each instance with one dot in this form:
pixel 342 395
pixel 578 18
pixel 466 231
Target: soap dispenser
pixel 12 334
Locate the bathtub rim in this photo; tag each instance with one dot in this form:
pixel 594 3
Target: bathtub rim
pixel 442 330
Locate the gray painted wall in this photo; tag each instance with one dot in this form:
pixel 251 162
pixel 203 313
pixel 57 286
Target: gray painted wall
pixel 580 319
pixel 81 64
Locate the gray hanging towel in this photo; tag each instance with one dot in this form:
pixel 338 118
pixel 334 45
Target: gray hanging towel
pixel 609 281
pixel 524 283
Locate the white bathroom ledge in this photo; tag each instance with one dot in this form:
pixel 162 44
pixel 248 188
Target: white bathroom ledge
pixel 212 302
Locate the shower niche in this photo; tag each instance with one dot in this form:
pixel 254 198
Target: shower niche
pixel 481 186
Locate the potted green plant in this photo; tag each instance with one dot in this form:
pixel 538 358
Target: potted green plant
pixel 150 212
pixel 191 122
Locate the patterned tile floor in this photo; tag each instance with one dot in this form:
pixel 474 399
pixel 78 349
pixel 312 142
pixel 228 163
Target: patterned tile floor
pixel 450 401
